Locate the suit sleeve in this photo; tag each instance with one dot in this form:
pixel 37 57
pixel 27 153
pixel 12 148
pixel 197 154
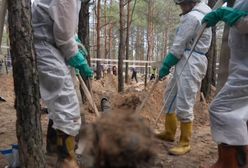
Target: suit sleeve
pixel 64 13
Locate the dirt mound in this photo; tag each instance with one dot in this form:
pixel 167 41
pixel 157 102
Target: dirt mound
pixel 155 102
pixel 117 140
pixel 108 83
pixel 7 88
pixel 129 101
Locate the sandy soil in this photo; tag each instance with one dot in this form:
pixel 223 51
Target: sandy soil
pixel 204 150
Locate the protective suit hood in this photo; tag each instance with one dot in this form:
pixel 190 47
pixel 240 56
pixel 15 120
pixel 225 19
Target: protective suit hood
pixel 201 7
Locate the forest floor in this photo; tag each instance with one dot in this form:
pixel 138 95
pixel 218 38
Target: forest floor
pixel 204 150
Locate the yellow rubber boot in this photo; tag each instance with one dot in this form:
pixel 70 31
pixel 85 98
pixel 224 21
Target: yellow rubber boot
pixel 183 146
pixel 170 128
pixel 66 153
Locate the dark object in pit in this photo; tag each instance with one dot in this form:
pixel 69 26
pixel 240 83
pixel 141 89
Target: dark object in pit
pixel 117 140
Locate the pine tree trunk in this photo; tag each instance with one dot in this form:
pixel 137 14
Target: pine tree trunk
pixel 98 45
pixel 93 35
pixel 150 36
pixel 83 34
pixel 114 48
pixel 214 72
pixel 132 45
pixel 110 34
pixel 127 41
pixel 138 44
pixel 121 48
pixel 3 10
pixel 207 81
pixel 83 27
pixel 105 31
pixel 142 48
pixel 224 56
pixel 28 125
pixel 110 41
pixel 165 41
pixel 211 55
pixel 224 60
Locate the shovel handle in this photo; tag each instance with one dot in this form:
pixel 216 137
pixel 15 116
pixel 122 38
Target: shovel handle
pixel 88 95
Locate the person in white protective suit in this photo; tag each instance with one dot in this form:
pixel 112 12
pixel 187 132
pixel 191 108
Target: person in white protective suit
pixel 55 23
pixel 229 109
pixel 179 104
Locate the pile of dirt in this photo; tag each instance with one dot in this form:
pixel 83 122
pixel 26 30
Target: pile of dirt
pixel 7 112
pixel 117 140
pixel 7 88
pixel 103 88
pixel 133 96
pixel 107 84
pixel 155 102
pixel 131 99
pixel 128 101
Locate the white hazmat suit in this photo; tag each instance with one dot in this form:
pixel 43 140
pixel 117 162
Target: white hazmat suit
pixel 183 95
pixel 55 24
pixel 229 110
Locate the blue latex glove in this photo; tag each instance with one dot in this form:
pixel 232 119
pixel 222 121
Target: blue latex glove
pixel 229 15
pixel 78 61
pixel 169 61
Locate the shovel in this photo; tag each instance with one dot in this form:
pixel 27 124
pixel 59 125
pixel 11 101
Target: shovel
pixel 88 95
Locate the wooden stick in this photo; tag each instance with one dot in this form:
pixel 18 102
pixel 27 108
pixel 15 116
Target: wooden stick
pixel 203 98
pixel 213 88
pixel 88 95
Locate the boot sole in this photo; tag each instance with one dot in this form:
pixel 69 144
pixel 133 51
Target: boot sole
pixel 178 154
